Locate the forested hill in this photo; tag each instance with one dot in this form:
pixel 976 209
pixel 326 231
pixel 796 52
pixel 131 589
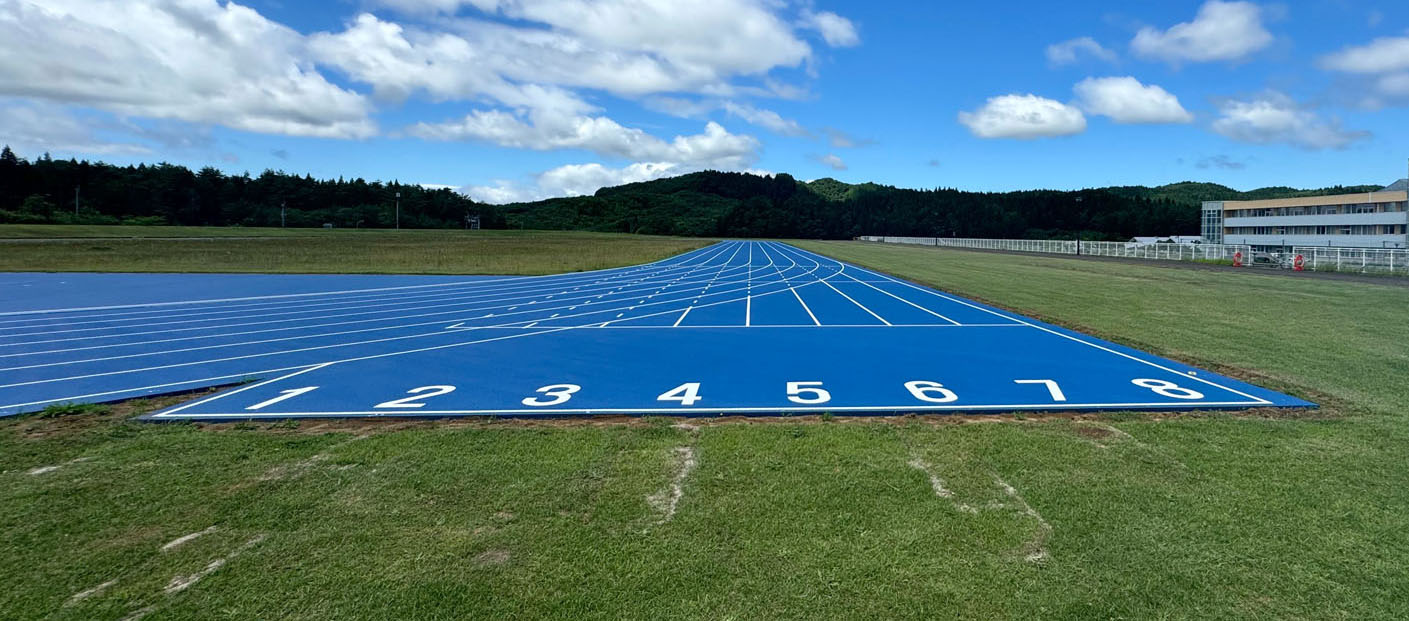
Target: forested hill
pixel 739 205
pixel 700 204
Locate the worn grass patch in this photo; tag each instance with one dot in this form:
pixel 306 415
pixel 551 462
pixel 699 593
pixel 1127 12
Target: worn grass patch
pixel 313 251
pixel 1214 515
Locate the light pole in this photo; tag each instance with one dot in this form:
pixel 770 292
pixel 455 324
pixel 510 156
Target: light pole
pixel 282 209
pixel 398 211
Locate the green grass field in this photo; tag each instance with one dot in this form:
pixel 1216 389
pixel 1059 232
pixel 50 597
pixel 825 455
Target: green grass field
pixel 316 251
pixel 1269 516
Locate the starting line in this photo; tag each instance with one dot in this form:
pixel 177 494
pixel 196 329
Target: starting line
pixel 739 327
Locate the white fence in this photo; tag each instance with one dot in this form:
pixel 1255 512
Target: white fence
pixel 1168 252
pixel 1360 260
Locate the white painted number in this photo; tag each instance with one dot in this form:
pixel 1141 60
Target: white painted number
pixel 424 392
pixel 797 390
pixel 1167 389
pixel 1052 387
pixel 686 394
pixel 933 392
pixel 560 393
pixel 283 394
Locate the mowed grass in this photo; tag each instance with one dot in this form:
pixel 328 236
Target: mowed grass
pixel 338 251
pixel 1119 516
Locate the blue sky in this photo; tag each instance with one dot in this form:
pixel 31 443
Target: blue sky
pixel 523 99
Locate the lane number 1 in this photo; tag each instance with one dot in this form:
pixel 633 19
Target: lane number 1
pixel 283 394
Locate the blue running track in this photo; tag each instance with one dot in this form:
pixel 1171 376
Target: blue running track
pixel 737 327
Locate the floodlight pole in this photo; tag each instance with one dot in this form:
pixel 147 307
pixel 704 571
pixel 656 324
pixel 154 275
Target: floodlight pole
pixel 398 211
pixel 75 201
pixel 283 209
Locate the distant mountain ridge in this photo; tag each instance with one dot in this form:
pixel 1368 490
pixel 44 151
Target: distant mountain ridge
pixel 736 204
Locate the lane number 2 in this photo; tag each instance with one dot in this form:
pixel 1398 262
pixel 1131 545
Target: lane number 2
pixel 417 394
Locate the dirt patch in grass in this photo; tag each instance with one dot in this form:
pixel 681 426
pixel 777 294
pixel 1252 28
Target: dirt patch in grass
pixel 492 558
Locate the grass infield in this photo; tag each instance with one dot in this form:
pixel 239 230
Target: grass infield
pixel 1255 515
pixel 41 248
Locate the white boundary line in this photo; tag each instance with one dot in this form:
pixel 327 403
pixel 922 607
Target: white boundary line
pixel 1055 407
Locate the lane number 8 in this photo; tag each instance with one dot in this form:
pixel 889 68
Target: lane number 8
pixel 1167 389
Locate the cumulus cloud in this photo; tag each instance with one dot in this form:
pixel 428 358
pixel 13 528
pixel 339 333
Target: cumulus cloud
pixel 1384 62
pixel 700 108
pixel 1220 31
pixel 198 61
pixel 573 180
pixel 830 160
pixel 31 129
pixel 540 130
pixel 1383 55
pixel 1069 52
pixel 1274 118
pixel 836 30
pixel 1126 100
pixel 1023 117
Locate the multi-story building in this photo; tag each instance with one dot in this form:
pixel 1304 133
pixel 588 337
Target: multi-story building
pixel 1367 220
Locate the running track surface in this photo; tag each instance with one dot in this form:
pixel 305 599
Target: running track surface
pixel 737 327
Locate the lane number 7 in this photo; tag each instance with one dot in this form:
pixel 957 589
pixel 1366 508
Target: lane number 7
pixel 1051 385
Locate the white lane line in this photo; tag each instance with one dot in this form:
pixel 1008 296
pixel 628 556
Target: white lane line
pixel 455 311
pixel 342 292
pixel 1259 400
pixel 682 316
pixel 858 304
pixel 903 299
pixel 285 316
pixel 804 306
pixel 247 374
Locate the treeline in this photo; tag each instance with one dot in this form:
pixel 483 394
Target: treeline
pixel 54 191
pixel 744 205
pixel 705 204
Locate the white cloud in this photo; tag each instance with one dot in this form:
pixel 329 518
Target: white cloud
pixel 1383 55
pixel 1275 119
pixel 31 129
pixel 1220 31
pixel 1395 84
pixel 831 160
pixel 702 108
pixel 545 130
pixel 197 61
pixel 1023 117
pixel 722 36
pixel 573 180
pixel 1069 52
pixel 836 30
pixel 766 119
pixel 1126 100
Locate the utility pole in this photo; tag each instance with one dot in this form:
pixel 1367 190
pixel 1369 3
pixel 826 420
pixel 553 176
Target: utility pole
pixel 398 211
pixel 75 202
pixel 283 210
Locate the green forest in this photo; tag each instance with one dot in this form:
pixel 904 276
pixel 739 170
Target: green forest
pixel 704 204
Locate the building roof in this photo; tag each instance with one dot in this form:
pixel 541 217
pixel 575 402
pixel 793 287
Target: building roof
pixel 1393 193
pixel 1399 186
